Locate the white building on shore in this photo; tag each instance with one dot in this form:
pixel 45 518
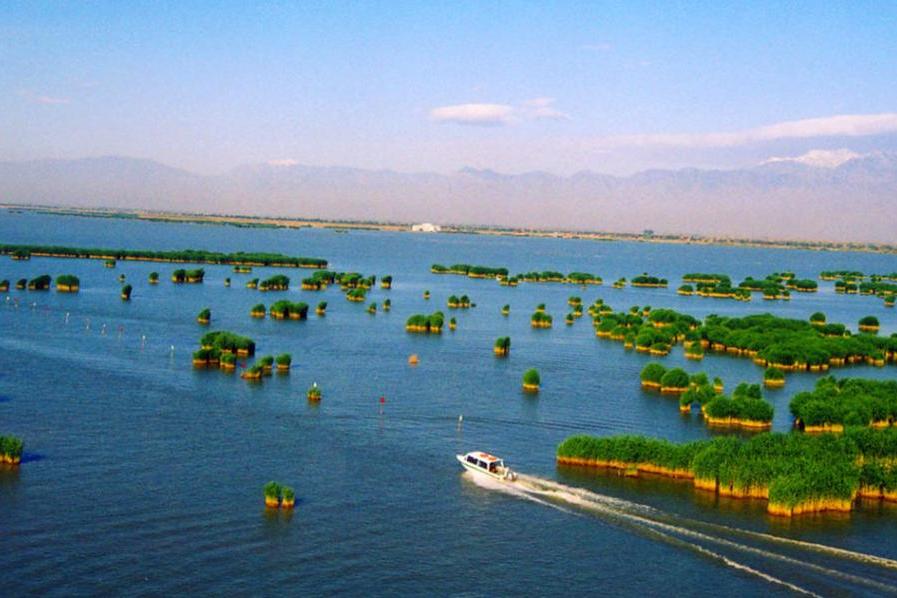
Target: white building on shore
pixel 425 227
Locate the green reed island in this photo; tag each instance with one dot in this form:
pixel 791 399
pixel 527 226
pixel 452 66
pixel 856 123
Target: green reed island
pixel 278 496
pixel 181 276
pixel 228 342
pixel 835 404
pixel 313 393
pixel 771 341
pixel 40 283
pixel 644 280
pixel 773 377
pixel 356 295
pixel 278 282
pixel 531 380
pixel 226 361
pixel 266 362
pixel 68 283
pixel 540 319
pixel 253 373
pixel 462 302
pixel 869 324
pixel 11 448
pixel 502 346
pixel 423 324
pixel 469 270
pixel 320 280
pixel 194 256
pixel 288 310
pixel 795 473
pixel 283 361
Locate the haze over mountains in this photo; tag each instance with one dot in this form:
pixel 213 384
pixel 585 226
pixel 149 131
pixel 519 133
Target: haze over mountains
pixel 831 196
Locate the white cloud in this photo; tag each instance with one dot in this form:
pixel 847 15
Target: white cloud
pixel 844 125
pixel 50 100
pixel 283 162
pixel 43 99
pixel 599 47
pixel 821 158
pixel 497 115
pixel 542 109
pixel 483 115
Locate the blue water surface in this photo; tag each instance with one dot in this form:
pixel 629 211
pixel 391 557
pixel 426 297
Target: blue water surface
pixel 144 475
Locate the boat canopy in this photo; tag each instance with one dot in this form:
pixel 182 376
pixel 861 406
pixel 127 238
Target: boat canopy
pixel 485 457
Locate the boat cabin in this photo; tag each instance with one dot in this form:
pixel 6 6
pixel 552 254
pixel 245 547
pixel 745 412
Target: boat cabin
pixel 486 462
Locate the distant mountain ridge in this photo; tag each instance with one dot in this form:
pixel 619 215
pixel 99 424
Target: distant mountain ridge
pixel 847 198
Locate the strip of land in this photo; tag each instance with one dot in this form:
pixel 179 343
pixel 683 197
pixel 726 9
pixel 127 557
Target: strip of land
pixel 186 256
pixel 346 225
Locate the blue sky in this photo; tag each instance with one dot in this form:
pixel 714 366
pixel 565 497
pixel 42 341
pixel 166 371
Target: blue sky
pixel 512 86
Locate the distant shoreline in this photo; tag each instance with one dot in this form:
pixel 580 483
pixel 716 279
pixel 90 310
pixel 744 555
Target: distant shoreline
pixel 347 225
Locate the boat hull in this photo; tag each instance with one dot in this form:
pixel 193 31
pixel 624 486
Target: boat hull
pixel 508 476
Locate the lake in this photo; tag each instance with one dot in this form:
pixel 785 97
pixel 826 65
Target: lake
pixel 144 476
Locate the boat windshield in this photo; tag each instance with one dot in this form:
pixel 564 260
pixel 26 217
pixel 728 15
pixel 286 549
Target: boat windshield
pixel 492 465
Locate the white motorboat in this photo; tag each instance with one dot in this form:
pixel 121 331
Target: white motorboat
pixel 486 464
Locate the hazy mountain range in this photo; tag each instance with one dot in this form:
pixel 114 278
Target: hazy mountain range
pixel 834 196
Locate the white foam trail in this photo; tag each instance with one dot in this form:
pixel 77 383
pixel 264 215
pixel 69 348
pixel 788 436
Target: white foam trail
pixel 512 489
pixel 540 484
pixel 520 491
pixel 652 519
pixel 731 563
pixel 592 501
pixel 860 557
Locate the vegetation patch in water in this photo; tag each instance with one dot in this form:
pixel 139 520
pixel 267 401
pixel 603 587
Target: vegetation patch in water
pixel 837 403
pixel 68 283
pixel 288 310
pixel 796 473
pixel 11 448
pixel 502 346
pixel 531 380
pixel 278 282
pixel 194 256
pixel 40 283
pixel 424 324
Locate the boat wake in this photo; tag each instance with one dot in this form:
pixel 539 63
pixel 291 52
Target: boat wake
pixel 825 569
